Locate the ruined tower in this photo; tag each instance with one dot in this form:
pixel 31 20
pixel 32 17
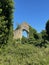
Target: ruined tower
pixel 18 31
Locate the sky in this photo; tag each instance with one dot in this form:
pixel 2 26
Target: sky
pixel 34 12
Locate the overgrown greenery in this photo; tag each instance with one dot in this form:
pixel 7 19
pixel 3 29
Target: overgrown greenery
pixel 24 51
pixel 37 39
pixel 23 54
pixel 47 29
pixel 6 24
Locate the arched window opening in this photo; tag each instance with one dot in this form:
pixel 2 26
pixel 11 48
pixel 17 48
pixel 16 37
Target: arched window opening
pixel 24 34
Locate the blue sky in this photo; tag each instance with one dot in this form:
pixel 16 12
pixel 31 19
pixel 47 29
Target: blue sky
pixel 34 12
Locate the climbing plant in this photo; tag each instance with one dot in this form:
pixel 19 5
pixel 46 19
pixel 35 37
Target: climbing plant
pixel 6 24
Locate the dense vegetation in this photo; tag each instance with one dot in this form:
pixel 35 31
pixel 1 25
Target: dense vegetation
pixel 24 54
pixel 6 25
pixel 37 39
pixel 47 29
pixel 27 51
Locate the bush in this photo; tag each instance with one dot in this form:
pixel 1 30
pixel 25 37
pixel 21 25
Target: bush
pixel 24 40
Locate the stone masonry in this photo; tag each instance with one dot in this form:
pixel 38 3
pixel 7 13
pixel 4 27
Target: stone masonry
pixel 18 31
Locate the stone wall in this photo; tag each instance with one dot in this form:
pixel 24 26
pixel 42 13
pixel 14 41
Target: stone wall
pixel 18 32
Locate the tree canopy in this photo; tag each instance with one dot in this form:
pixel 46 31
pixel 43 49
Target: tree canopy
pixel 47 28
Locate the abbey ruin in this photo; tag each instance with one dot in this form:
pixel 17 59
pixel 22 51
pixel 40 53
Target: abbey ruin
pixel 18 31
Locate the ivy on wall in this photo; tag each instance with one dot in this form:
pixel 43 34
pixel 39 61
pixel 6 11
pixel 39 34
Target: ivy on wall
pixel 6 24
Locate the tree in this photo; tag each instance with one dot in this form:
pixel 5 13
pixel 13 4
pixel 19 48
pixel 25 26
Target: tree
pixel 47 28
pixel 32 31
pixel 6 24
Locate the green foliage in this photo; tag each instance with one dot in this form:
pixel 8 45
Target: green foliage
pixel 23 54
pixel 34 37
pixel 37 39
pixel 26 53
pixel 31 32
pixel 47 28
pixel 6 25
pixel 44 36
pixel 24 40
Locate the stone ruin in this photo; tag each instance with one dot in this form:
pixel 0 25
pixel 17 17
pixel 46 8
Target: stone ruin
pixel 18 31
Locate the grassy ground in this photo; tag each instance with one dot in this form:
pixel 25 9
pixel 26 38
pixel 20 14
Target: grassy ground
pixel 23 54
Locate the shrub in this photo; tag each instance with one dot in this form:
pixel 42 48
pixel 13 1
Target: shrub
pixel 24 40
